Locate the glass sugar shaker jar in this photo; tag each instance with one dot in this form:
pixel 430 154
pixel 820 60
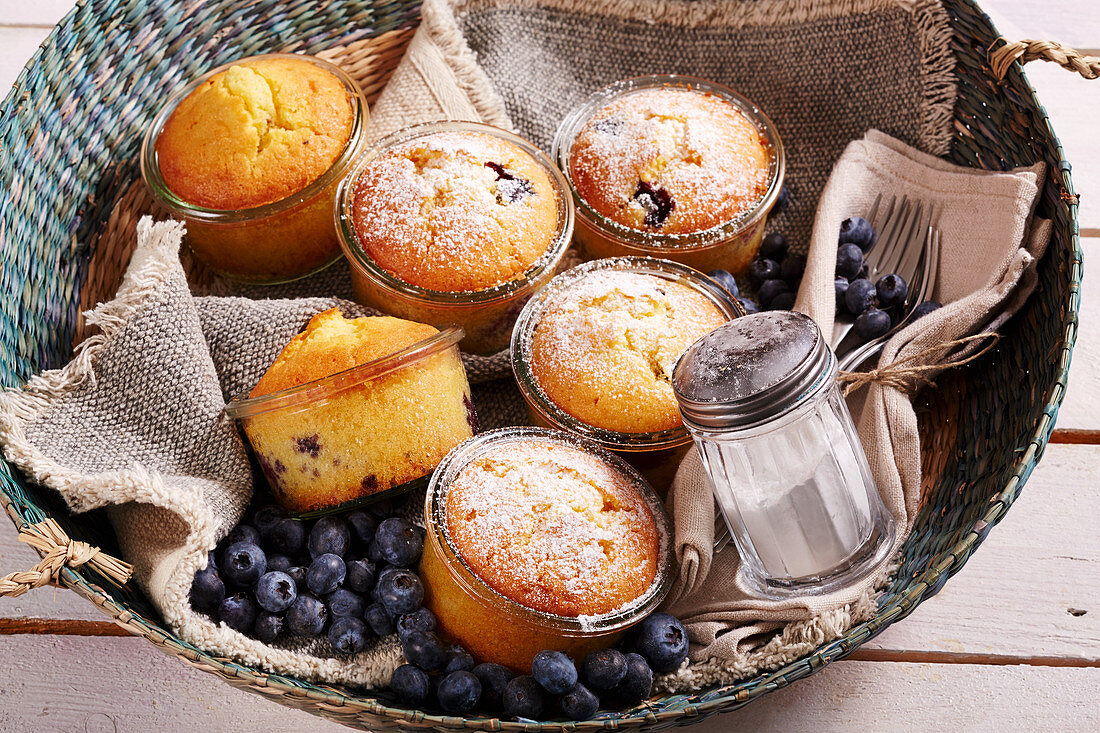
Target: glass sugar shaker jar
pixel 760 397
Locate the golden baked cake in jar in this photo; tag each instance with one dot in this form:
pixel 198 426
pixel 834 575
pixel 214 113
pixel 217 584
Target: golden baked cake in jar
pixel 537 540
pixel 454 222
pixel 671 167
pixel 594 352
pixel 353 410
pixel 250 156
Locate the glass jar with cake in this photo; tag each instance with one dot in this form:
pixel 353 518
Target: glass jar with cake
pixel 593 354
pixel 454 223
pixel 672 167
pixel 536 540
pixel 249 155
pixel 356 410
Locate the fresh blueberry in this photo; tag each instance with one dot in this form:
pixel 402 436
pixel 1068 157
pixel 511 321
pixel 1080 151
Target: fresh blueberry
pixel 307 616
pixel 424 649
pixel 243 563
pixel 360 575
pixel 925 308
pixel 238 611
pixel 762 269
pixel 782 302
pixel 275 591
pixel 579 703
pixel 725 280
pixel 267 515
pixel 773 247
pixel 494 679
pixel 298 574
pixel 383 509
pixel 279 562
pixel 399 542
pixel 241 533
pixel 554 671
pixel 849 261
pixel 768 290
pixel 458 692
pixel 841 284
pixel 872 323
pixel 637 684
pixel 325 574
pixel 792 268
pixel 604 668
pixel 523 697
pixel 212 560
pixel 362 525
pixel 420 620
pixel 348 635
pixel 287 536
pixel 857 231
pixel 343 602
pixel 860 296
pixel 410 685
pixel 458 659
pixel 329 536
pixel 401 592
pixel 207 589
pixel 663 641
pixel 379 619
pixel 749 305
pixel 891 290
pixel 267 627
pixel 782 201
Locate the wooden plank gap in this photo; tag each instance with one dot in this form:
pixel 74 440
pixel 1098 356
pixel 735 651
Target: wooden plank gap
pixel 59 627
pixel 1076 436
pixel 939 657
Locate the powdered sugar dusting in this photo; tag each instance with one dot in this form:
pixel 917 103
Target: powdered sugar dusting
pixel 692 146
pixel 442 211
pixel 554 528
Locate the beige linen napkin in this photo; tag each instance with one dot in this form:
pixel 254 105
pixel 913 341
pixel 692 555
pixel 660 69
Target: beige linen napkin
pixel 990 247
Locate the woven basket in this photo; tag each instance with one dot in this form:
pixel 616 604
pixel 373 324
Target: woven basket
pixel 69 131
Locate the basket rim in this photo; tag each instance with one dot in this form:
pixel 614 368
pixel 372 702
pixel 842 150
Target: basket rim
pixel 714 700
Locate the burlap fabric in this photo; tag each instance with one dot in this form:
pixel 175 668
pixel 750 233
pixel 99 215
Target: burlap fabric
pixel 153 444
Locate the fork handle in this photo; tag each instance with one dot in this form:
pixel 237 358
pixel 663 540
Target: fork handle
pixel 1029 50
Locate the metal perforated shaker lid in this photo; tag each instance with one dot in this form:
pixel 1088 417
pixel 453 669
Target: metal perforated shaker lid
pixel 752 369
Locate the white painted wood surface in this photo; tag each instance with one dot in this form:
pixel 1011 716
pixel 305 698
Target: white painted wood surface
pixel 1010 604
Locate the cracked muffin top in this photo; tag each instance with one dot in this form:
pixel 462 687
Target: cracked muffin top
pixel 554 528
pixel 604 350
pixel 254 134
pixel 455 211
pixel 670 160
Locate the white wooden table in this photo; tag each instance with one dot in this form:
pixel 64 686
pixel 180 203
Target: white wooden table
pixel 1011 643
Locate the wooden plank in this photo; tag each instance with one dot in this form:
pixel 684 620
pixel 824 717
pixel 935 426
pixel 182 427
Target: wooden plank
pixel 1071 22
pixel 1080 409
pixel 42 13
pixel 17 45
pixel 71 683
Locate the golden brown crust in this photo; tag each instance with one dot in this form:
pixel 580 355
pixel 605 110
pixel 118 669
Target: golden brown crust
pixel 699 150
pixel 604 351
pixel 331 344
pixel 554 528
pixel 255 134
pixel 455 211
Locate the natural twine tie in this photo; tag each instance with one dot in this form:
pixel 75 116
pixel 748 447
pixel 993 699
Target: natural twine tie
pixel 1029 50
pixel 59 551
pixel 908 374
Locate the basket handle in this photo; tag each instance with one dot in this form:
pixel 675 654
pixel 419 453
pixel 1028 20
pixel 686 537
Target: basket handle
pixel 1029 50
pixel 58 551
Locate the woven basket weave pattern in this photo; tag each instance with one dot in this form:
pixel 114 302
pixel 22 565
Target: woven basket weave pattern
pixel 70 131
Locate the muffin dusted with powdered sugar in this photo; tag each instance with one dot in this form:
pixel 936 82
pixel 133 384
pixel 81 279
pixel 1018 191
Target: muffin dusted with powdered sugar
pixel 455 211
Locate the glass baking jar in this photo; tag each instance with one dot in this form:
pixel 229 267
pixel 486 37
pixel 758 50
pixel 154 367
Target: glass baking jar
pixel 271 243
pixel 367 433
pixel 655 454
pixel 485 315
pixel 787 468
pixel 730 245
pixel 494 627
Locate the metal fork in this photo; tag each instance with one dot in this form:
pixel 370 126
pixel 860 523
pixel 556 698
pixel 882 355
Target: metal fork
pixel 899 249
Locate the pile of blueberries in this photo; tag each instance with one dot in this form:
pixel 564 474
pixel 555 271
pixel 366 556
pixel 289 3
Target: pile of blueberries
pixel 775 272
pixel 875 305
pixel 347 577
pixel 621 679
